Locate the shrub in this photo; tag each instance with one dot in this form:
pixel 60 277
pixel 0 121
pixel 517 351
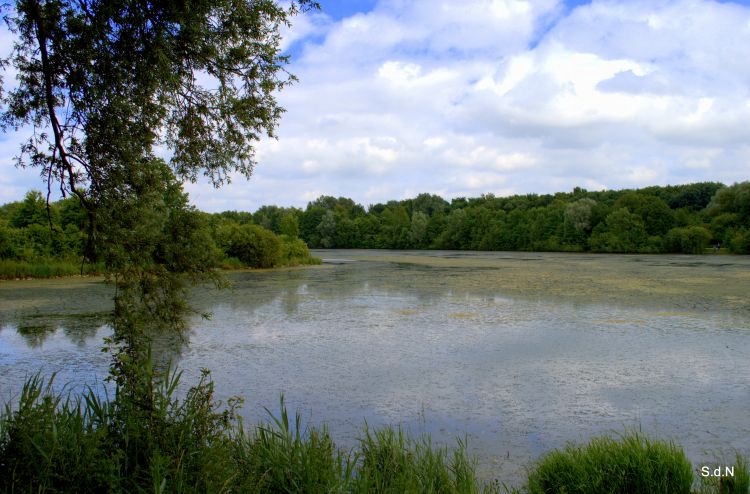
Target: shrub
pixel 252 244
pixel 688 240
pixel 294 252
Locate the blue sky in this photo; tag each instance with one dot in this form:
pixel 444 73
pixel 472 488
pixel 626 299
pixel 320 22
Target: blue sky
pixel 399 97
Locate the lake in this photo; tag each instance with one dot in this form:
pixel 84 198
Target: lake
pixel 517 352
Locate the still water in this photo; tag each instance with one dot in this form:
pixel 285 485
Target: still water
pixel 517 352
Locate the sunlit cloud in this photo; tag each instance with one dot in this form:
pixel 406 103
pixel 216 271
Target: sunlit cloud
pixel 502 97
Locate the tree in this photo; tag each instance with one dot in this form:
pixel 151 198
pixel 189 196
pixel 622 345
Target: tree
pixel 622 231
pixel 656 215
pixel 289 225
pixel 104 82
pixel 418 230
pixel 327 230
pixel 32 211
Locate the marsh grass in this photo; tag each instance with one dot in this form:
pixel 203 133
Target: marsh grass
pixel 11 270
pixel 148 440
pixel 281 456
pixel 51 443
pixel 392 462
pixel 632 463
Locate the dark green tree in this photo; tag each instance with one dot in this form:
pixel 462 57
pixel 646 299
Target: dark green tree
pixel 289 225
pixel 103 82
pixel 33 211
pixel 656 215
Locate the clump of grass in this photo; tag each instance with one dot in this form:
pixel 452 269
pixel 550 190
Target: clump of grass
pixel 279 456
pixel 632 463
pixel 51 444
pixel 393 462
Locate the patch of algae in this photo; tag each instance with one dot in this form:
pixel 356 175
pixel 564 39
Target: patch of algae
pixel 407 312
pixel 631 280
pixel 462 315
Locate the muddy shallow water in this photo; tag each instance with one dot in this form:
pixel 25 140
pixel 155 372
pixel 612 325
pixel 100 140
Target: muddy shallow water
pixel 519 352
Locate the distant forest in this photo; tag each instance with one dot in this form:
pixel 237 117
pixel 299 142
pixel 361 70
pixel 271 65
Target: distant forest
pixel 671 219
pixel 679 219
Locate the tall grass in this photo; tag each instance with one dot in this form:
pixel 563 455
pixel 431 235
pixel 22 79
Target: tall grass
pixel 10 269
pixel 148 440
pixel 95 444
pixel 393 462
pixel 631 464
pixel 278 456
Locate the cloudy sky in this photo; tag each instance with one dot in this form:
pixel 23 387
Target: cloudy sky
pixel 462 98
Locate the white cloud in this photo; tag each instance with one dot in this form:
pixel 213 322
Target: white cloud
pixel 505 96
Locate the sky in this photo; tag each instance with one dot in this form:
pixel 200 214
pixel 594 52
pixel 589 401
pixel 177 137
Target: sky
pixel 464 98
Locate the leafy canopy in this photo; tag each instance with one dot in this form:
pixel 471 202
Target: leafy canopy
pixel 105 82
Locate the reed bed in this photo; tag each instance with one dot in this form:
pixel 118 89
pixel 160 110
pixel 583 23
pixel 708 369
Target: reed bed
pixel 151 441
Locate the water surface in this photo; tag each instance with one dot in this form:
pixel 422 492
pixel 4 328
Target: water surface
pixel 519 352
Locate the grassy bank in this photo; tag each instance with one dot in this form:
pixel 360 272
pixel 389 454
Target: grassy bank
pixel 55 443
pixel 14 270
pixel 21 270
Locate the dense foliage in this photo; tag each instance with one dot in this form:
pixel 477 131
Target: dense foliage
pixel 680 219
pixel 41 240
pixel 102 84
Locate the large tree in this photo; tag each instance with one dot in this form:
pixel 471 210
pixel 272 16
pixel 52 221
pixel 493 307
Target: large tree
pixel 103 83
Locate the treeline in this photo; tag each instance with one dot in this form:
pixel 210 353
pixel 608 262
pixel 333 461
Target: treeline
pixel 39 240
pixel 680 219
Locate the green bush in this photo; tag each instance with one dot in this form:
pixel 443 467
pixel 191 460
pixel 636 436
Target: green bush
pixel 294 252
pixel 687 240
pixel 253 245
pixel 605 465
pixel 739 241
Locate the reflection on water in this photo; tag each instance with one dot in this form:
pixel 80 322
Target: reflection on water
pixel 519 352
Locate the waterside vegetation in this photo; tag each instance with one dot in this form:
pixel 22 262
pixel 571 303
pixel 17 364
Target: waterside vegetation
pixel 38 240
pixel 94 443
